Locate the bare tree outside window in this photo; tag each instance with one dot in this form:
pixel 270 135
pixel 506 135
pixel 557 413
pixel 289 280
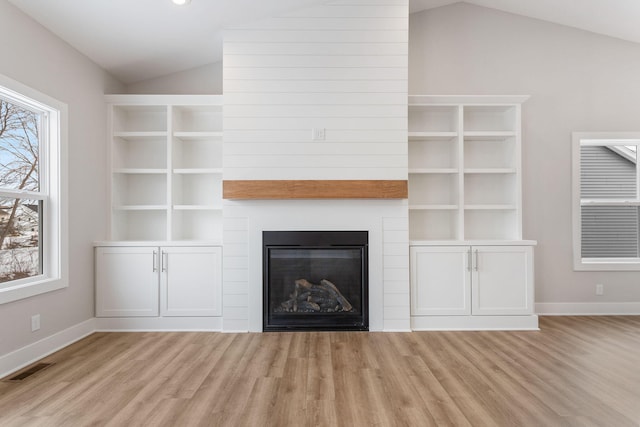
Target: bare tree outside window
pixel 20 211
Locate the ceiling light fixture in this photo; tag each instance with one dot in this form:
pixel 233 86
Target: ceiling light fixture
pixel 181 2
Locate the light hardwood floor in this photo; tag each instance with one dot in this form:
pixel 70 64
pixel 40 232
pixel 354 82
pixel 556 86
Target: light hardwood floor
pixel 576 371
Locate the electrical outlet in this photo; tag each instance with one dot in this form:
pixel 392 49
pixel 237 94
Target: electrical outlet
pixel 35 322
pixel 599 289
pixel 317 134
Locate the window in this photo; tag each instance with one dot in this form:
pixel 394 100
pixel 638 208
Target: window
pixel 606 201
pixel 32 206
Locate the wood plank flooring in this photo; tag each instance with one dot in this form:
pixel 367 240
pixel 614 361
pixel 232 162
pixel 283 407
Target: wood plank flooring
pixel 576 371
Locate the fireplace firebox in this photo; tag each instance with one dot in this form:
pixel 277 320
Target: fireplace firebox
pixel 315 280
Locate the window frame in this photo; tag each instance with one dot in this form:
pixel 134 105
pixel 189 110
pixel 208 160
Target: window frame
pixel 53 183
pixel 598 139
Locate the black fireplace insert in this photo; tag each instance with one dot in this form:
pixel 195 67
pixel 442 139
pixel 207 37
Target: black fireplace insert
pixel 315 280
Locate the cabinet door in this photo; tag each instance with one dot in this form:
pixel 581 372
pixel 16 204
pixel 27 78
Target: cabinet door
pixel 126 281
pixel 191 283
pixel 440 280
pixel 502 281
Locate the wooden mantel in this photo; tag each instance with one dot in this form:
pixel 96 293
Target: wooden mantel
pixel 314 189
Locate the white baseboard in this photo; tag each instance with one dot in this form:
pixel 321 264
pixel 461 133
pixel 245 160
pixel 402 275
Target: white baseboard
pixel 474 323
pixel 587 308
pixel 139 324
pixel 25 356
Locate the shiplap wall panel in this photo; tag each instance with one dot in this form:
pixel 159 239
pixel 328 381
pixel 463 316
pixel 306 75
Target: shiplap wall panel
pixel 329 161
pixel 315 149
pixel 319 48
pixel 396 274
pixel 388 9
pixel 316 73
pixel 296 135
pixel 314 36
pixel 379 111
pixel 235 263
pixel 310 60
pixel 340 66
pixel 295 99
pixel 329 123
pixel 369 2
pixel 318 172
pixel 306 86
pixel 334 23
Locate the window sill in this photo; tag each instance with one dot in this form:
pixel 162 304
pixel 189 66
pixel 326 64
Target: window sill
pixel 607 265
pixel 30 288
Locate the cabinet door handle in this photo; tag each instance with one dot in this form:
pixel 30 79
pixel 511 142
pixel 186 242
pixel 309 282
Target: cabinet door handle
pixel 469 261
pixel 165 261
pixel 155 261
pixel 476 266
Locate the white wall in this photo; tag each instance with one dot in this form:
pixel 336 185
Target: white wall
pixel 578 81
pixel 201 80
pixel 341 66
pixel 33 56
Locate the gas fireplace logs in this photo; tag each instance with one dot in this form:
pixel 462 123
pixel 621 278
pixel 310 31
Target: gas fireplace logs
pixel 309 297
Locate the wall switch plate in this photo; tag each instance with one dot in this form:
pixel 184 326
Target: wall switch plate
pixel 317 134
pixel 35 322
pixel 599 289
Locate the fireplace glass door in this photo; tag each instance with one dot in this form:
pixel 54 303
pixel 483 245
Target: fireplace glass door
pixel 315 281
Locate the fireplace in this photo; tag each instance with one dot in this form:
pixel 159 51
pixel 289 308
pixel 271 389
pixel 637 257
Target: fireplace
pixel 315 280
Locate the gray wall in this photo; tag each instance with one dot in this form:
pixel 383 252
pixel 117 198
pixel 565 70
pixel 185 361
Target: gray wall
pixel 578 81
pixel 201 80
pixel 33 56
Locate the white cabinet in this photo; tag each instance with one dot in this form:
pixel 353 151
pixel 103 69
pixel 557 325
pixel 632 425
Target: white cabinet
pixel 502 280
pixel 126 282
pixel 158 281
pixel 440 281
pixel 472 282
pixel 191 282
pixel 166 167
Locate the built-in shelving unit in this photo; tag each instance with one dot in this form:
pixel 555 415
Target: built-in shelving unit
pixel 166 167
pixel 464 168
pixel 161 266
pixel 470 268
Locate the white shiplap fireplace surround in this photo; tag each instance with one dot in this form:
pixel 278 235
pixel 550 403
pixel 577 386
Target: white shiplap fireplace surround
pixel 340 67
pixel 388 254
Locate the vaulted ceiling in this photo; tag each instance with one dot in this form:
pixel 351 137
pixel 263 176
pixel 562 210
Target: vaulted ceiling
pixel 143 39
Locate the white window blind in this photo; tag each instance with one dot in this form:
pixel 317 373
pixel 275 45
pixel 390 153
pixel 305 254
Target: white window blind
pixel 606 203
